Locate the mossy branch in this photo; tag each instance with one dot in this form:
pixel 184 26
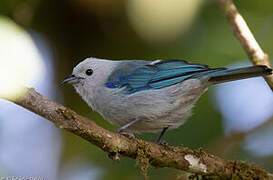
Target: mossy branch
pixel 246 38
pixel 196 162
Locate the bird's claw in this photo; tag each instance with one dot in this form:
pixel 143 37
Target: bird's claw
pixel 163 143
pixel 128 134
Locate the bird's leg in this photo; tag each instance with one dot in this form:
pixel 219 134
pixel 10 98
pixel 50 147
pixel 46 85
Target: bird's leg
pixel 158 141
pixel 120 130
pixel 127 125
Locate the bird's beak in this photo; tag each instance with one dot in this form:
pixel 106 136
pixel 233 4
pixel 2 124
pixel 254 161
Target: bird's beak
pixel 70 79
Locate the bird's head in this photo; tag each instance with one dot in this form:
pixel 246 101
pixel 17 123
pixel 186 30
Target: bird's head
pixel 90 74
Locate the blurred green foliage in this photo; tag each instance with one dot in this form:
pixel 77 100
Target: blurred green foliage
pixel 79 29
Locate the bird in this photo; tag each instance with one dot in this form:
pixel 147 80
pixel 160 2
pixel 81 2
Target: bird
pixel 141 96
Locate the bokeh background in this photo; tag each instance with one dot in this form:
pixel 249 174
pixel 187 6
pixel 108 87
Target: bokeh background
pixel 42 40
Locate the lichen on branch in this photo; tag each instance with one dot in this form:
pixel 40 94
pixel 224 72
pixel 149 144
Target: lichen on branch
pixel 116 145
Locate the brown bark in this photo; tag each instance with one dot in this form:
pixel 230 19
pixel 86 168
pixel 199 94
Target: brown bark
pixel 197 162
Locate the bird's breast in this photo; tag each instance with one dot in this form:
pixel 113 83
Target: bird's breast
pixel 156 109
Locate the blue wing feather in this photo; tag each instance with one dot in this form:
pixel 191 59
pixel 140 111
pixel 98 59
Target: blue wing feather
pixel 155 75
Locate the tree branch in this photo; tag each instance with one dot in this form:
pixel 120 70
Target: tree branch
pixel 197 162
pixel 246 38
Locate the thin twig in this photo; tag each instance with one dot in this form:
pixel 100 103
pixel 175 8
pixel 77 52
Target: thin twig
pixel 246 38
pixel 116 145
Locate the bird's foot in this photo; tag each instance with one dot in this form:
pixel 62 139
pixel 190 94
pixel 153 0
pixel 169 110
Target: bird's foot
pixel 128 134
pixel 161 142
pixel 119 130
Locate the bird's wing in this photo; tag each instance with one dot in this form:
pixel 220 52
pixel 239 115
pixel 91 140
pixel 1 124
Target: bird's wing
pixel 157 74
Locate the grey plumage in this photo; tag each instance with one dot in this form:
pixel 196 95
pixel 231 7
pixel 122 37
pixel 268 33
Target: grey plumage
pixel 154 107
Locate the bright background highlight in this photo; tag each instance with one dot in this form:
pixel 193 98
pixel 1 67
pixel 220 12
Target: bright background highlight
pixel 159 20
pixel 20 62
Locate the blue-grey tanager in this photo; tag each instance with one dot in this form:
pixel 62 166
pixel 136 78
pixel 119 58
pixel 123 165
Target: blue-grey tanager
pixel 149 96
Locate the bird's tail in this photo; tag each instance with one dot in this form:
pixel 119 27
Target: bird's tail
pixel 225 75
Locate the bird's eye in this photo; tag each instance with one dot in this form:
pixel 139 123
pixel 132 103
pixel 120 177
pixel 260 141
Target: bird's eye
pixel 89 72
